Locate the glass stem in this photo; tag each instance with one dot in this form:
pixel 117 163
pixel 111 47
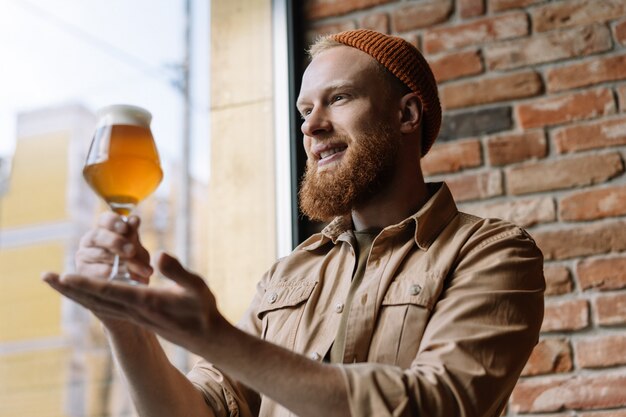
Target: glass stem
pixel 119 269
pixel 119 272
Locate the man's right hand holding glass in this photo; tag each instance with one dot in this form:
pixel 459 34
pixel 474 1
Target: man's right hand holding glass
pixel 112 236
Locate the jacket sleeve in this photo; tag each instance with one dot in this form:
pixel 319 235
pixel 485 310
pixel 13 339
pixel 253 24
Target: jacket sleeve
pixel 481 332
pixel 225 396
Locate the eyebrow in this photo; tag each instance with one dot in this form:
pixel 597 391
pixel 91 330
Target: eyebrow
pixel 332 86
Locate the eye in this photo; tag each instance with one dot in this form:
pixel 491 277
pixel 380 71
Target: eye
pixel 338 97
pixel 304 113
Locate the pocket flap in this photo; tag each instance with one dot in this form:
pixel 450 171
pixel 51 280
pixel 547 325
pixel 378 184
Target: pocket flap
pixel 417 290
pixel 285 295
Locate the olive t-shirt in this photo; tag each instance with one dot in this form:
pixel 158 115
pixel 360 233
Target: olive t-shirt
pixel 364 240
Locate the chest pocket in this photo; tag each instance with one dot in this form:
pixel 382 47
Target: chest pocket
pixel 403 316
pixel 281 311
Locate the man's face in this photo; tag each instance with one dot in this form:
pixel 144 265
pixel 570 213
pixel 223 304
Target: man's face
pixel 350 135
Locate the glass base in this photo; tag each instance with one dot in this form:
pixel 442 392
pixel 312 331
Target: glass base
pixel 119 273
pixel 125 279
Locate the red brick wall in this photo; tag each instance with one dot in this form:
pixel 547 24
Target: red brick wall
pixel 534 131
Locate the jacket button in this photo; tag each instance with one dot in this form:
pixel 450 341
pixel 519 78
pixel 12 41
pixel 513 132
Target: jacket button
pixel 316 356
pixel 338 307
pixel 272 298
pixel 416 289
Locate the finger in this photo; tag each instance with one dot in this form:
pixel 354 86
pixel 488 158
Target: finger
pixel 134 222
pixel 130 296
pixel 111 241
pixel 143 316
pixel 92 303
pixel 94 261
pixel 102 261
pixel 139 267
pixel 172 268
pixel 101 271
pixel 95 255
pixel 102 302
pixel 112 221
pixel 141 253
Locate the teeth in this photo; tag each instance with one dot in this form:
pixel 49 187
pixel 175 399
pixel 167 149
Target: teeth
pixel 330 152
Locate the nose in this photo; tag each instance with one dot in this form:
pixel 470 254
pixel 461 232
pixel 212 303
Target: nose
pixel 316 123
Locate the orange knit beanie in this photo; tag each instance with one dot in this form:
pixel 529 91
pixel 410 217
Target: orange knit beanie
pixel 407 63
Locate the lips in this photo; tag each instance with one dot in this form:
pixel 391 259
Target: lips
pixel 325 151
pixel 330 152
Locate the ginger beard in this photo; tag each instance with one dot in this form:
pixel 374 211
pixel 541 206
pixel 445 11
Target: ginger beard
pixel 364 170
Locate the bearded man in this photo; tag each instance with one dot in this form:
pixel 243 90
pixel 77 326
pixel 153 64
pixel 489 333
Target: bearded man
pixel 401 306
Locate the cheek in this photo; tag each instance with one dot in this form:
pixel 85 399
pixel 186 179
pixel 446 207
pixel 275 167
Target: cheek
pixel 307 146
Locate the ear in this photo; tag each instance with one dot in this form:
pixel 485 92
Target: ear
pixel 411 119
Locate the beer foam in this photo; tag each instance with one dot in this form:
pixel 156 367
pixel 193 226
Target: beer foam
pixel 123 114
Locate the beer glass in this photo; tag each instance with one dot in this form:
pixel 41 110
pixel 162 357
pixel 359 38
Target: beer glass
pixel 123 165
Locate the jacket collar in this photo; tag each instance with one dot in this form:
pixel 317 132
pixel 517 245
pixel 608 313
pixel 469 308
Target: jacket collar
pixel 429 221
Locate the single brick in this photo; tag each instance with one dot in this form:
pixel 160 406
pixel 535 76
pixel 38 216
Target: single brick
pixel 551 46
pixel 592 135
pixel 582 74
pixel 575 13
pixel 570 172
pixel 523 212
pixel 475 186
pixel 490 90
pixel 376 21
pixel 317 9
pixel 457 64
pixel 582 240
pixel 610 309
pixel 594 204
pixel 566 315
pixel 420 15
pixel 558 280
pixel 508 148
pixel 566 108
pixel 550 394
pixel 452 157
pixel 506 26
pixel 601 352
pixel 471 8
pixel 549 356
pixel 475 123
pixel 602 273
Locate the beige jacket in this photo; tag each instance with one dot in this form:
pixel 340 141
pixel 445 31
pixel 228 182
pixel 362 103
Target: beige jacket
pixel 448 311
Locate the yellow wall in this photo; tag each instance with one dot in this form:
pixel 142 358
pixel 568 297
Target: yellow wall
pixel 241 213
pixel 33 383
pixel 36 231
pixel 28 308
pixel 38 181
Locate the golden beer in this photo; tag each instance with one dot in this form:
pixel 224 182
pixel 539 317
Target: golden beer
pixel 123 164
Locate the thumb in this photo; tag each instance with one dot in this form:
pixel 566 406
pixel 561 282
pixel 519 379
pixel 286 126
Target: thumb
pixel 172 268
pixel 133 223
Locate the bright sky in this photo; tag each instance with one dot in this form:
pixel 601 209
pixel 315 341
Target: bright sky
pixel 95 52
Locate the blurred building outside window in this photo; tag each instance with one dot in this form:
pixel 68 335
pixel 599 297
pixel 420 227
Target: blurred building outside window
pixel 62 60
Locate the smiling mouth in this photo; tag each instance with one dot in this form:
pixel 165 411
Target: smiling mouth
pixel 329 156
pixel 330 152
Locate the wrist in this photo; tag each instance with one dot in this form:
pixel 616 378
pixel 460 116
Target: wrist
pixel 221 335
pixel 121 329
